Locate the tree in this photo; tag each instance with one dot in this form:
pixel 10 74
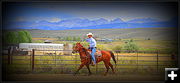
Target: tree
pixel 10 37
pixel 28 35
pixel 13 37
pixel 22 37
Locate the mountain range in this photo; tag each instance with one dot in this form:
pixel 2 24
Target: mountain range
pixel 101 23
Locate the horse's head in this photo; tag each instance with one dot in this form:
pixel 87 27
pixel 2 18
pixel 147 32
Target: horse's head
pixel 77 47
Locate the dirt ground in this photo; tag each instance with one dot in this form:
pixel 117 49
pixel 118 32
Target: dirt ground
pixel 81 77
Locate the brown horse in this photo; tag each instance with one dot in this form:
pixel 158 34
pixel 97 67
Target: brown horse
pixel 86 58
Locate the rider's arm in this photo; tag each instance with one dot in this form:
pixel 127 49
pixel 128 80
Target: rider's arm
pixel 93 42
pixel 87 40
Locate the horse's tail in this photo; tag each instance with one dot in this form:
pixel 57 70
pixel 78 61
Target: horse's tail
pixel 113 57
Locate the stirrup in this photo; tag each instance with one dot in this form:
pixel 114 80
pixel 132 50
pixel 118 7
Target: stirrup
pixel 92 64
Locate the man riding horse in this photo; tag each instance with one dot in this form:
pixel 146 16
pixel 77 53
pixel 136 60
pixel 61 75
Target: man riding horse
pixel 92 47
pixel 86 56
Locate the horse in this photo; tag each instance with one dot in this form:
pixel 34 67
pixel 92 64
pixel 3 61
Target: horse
pixel 86 58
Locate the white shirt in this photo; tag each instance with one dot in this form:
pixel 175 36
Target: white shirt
pixel 91 41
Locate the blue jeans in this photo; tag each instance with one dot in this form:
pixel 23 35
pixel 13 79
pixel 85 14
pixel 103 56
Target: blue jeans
pixel 93 49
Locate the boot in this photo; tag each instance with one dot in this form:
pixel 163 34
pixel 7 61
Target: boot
pixel 92 64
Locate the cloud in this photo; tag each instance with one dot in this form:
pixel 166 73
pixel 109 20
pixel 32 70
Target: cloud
pixel 37 19
pixel 56 12
pixel 54 19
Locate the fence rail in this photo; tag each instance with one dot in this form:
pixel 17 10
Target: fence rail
pixel 32 59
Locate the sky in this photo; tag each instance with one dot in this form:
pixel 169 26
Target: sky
pixel 91 10
pixel 56 12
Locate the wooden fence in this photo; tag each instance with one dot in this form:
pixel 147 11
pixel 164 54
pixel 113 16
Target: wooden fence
pixel 33 55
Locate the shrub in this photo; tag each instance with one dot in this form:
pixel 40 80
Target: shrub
pixel 38 41
pixel 101 47
pixel 130 46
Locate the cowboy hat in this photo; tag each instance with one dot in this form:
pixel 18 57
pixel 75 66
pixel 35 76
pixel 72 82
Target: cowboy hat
pixel 89 34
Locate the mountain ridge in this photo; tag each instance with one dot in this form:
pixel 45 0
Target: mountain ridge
pixel 101 23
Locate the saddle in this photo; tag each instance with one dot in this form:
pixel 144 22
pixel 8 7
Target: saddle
pixel 97 54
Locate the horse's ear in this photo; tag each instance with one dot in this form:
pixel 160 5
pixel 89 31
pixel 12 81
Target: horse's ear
pixel 78 42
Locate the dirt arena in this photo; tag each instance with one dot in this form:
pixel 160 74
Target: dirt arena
pixel 81 77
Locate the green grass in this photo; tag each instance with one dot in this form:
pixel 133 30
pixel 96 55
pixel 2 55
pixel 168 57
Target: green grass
pixel 144 45
pixel 69 69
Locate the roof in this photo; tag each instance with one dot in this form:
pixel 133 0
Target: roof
pixel 47 40
pixel 20 44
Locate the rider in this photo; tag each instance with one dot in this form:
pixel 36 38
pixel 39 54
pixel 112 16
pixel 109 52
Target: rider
pixel 92 46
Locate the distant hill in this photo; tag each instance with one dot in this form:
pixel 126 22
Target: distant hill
pixel 101 23
pixel 144 33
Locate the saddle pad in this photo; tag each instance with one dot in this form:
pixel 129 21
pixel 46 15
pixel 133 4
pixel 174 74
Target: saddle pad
pixel 98 53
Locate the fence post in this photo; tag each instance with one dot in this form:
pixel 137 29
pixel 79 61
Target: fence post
pixel 96 68
pixel 9 55
pixel 137 62
pixel 157 59
pixel 116 63
pixel 76 61
pixel 32 59
pixel 55 60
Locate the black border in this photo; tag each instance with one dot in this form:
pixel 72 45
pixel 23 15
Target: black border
pixel 4 1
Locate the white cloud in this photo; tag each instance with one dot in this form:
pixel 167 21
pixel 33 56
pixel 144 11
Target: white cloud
pixel 37 19
pixel 54 19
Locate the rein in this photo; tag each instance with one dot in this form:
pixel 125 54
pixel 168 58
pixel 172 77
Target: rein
pixel 84 50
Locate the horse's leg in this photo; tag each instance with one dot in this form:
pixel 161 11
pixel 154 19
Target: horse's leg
pixel 111 67
pixel 107 67
pixel 80 67
pixel 88 69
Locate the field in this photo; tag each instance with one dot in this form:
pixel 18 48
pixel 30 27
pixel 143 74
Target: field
pixel 83 78
pixel 155 49
pixel 135 33
pixel 128 66
pixel 143 45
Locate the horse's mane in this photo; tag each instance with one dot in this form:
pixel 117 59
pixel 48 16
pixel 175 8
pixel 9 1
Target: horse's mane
pixel 85 50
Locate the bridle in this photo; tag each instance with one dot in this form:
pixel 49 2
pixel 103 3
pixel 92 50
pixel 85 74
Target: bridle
pixel 77 47
pixel 83 50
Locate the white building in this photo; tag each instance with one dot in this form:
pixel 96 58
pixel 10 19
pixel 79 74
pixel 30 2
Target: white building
pixel 40 46
pixel 65 49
